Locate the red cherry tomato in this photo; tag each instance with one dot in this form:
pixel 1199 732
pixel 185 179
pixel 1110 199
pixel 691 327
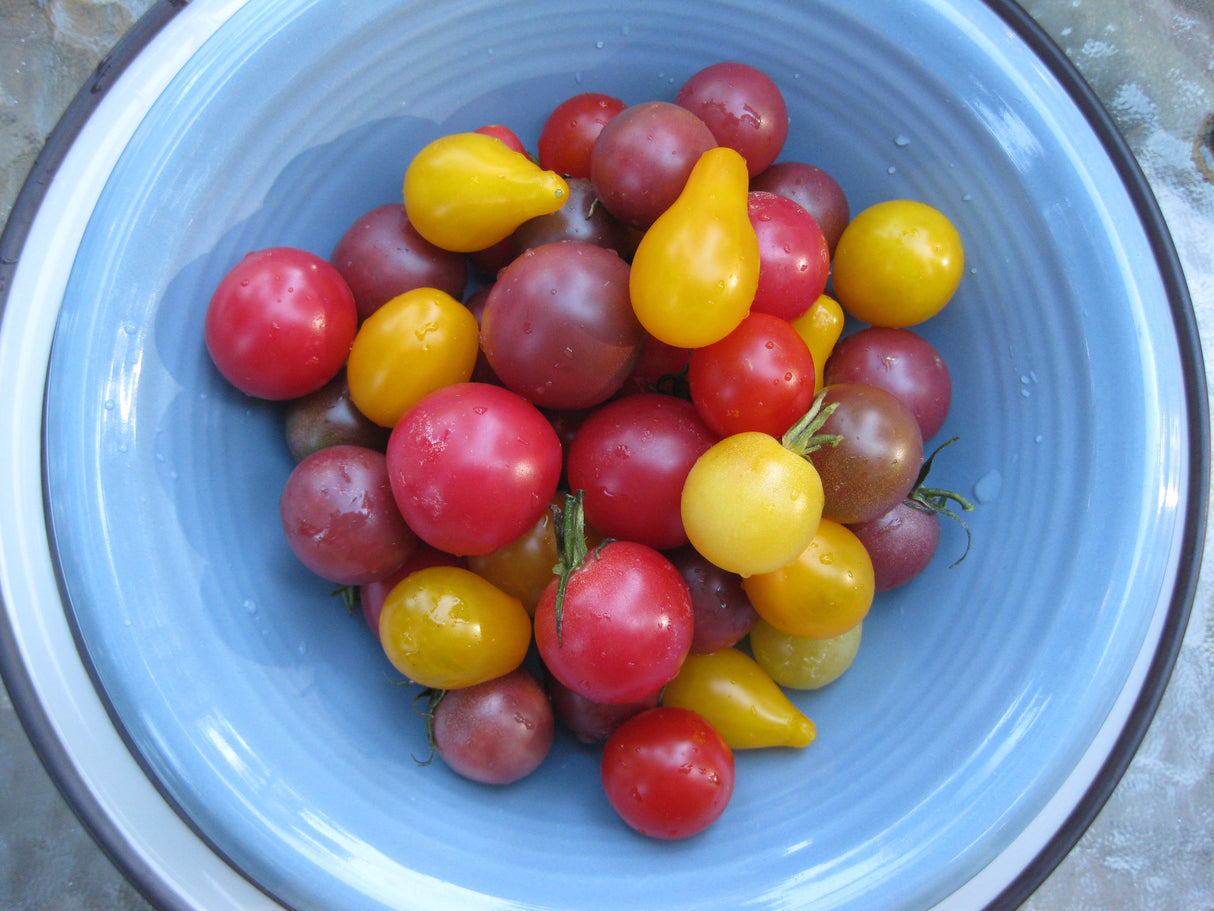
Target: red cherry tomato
pixel 568 134
pixel 794 261
pixel 760 377
pixel 667 773
pixel 280 323
pixel 473 466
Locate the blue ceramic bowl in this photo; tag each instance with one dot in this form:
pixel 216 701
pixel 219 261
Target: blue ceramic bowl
pixel 234 737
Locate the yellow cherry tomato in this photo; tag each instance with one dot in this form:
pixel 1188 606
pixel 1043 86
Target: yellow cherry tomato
pixel 445 627
pixel 897 263
pixel 824 592
pixel 738 698
pixel 820 326
pixel 524 567
pixel 696 268
pixel 803 664
pixel 417 342
pixel 467 191
pixel 749 505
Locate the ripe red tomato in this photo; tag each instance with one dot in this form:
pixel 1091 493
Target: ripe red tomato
pixel 742 106
pixel 569 133
pixel 667 773
pixel 473 466
pixel 625 624
pixel 760 377
pixel 280 323
pixel 794 261
pixel 631 457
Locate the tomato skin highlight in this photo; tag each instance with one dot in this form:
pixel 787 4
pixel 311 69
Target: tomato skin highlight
pixel 667 773
pixel 279 325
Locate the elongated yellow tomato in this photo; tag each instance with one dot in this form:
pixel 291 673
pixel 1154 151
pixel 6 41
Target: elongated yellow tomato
pixel 820 326
pixel 737 697
pixel 467 191
pixel 803 664
pixel 696 268
pixel 749 505
pixel 417 342
pixel 446 627
pixel 824 592
pixel 897 263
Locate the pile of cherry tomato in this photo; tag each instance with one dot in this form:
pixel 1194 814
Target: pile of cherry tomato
pixel 581 431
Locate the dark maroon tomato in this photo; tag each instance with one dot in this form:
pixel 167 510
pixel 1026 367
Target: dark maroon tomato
pixel 723 612
pixel 877 459
pixel 588 721
pixel 659 368
pixel 495 732
pixel 327 417
pixel 492 260
pixel 901 543
pixel 472 467
pixel 812 188
pixel 280 323
pixel 568 135
pixel 642 157
pixel 631 457
pixel 340 518
pixel 794 261
pixel 581 218
pixel 481 372
pixel 760 377
pixel 901 362
pixel 559 328
pixel 506 135
pixel 668 773
pixel 371 595
pixel 381 255
pixel 743 108
pixel 625 624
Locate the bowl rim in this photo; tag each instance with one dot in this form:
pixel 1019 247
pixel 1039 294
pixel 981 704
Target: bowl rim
pixel 36 716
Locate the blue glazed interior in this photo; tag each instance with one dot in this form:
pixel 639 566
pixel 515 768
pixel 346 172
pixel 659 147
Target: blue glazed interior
pixel 270 716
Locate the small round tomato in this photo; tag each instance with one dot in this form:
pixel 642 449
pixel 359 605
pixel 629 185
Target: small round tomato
pixel 760 377
pixel 569 133
pixel 794 260
pixel 340 518
pixel 495 732
pixel 445 627
pixel 897 263
pixel 631 457
pixel 667 773
pixel 750 505
pixel 524 567
pixel 743 107
pixel 824 592
pixel 803 664
pixel 280 323
pixel 473 466
pixel 417 342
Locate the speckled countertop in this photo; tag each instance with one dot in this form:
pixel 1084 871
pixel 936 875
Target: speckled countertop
pixel 1152 63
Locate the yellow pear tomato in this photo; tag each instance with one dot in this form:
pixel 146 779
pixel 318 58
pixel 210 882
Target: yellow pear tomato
pixel 696 268
pixel 467 191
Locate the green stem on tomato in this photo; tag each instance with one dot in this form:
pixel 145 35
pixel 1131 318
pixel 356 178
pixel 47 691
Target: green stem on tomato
pixel 803 437
pixel 934 500
pixel 571 541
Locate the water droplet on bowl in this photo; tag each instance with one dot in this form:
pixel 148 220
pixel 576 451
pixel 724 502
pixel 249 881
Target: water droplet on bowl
pixel 988 487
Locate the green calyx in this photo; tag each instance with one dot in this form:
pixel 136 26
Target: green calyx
pixel 935 500
pixel 804 437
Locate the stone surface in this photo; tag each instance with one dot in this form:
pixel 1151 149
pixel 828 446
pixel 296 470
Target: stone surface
pixel 1152 63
